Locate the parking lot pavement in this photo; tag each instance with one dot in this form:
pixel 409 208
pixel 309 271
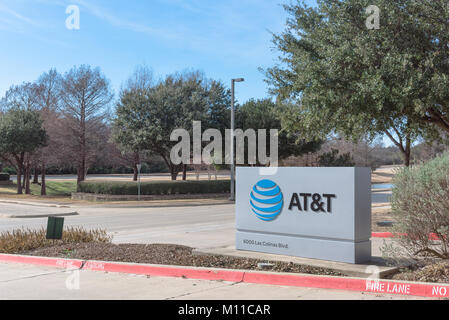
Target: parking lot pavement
pixel 35 282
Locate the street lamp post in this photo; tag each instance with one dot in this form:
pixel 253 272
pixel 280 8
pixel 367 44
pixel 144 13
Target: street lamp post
pixel 233 81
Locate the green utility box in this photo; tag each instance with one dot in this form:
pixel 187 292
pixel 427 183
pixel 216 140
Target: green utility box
pixel 55 227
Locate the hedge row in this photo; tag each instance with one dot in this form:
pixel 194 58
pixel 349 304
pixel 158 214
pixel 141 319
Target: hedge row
pixel 4 176
pixel 156 187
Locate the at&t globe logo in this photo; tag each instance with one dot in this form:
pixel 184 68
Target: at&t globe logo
pixel 266 200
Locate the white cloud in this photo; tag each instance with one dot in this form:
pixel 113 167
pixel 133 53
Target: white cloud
pixel 17 16
pixel 116 21
pixel 13 21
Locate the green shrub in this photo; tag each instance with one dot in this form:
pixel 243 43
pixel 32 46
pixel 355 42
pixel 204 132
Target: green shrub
pixel 420 205
pixel 9 170
pixel 155 187
pixel 4 176
pixel 22 240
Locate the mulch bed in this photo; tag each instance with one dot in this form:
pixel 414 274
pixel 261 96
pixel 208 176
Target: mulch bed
pixel 426 271
pixel 435 271
pixel 166 254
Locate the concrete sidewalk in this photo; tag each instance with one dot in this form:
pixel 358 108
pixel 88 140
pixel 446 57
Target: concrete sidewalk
pixel 34 282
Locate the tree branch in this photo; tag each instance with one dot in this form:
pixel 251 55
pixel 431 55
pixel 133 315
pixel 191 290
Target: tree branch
pixel 397 143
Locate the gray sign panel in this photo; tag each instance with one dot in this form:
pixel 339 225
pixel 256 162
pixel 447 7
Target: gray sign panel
pixel 321 213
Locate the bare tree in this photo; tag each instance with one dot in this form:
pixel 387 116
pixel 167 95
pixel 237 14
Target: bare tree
pixel 48 99
pixel 141 79
pixel 85 98
pixel 23 96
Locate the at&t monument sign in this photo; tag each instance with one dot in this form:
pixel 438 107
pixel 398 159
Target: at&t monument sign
pixel 321 213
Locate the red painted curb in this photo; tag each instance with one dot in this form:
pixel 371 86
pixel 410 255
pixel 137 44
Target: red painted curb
pixel 352 284
pixel 339 283
pixel 432 236
pixel 163 271
pixel 382 235
pixel 42 261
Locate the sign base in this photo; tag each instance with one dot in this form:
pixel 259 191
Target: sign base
pixel 305 247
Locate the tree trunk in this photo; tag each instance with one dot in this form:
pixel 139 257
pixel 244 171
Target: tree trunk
pixel 19 178
pixel 174 169
pixel 406 156
pixel 174 172
pixel 43 185
pixel 135 176
pixel 20 158
pixel 81 171
pixel 136 162
pixel 407 151
pixel 23 176
pixel 78 180
pixel 36 175
pixel 27 177
pixel 184 172
pixel 82 162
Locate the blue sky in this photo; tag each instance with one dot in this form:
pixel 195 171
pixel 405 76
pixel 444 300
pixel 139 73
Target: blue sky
pixel 222 38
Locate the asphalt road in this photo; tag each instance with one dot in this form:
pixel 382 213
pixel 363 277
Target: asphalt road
pixel 195 226
pixel 201 227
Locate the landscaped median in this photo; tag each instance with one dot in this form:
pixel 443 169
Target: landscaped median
pixel 154 190
pixel 93 250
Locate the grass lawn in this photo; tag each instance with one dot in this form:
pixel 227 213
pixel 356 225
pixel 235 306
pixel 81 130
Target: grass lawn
pixel 54 188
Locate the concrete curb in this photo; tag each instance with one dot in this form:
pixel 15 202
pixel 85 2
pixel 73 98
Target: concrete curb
pixel 381 190
pixel 296 280
pixel 148 204
pixel 104 198
pixel 363 271
pixel 35 204
pixel 36 216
